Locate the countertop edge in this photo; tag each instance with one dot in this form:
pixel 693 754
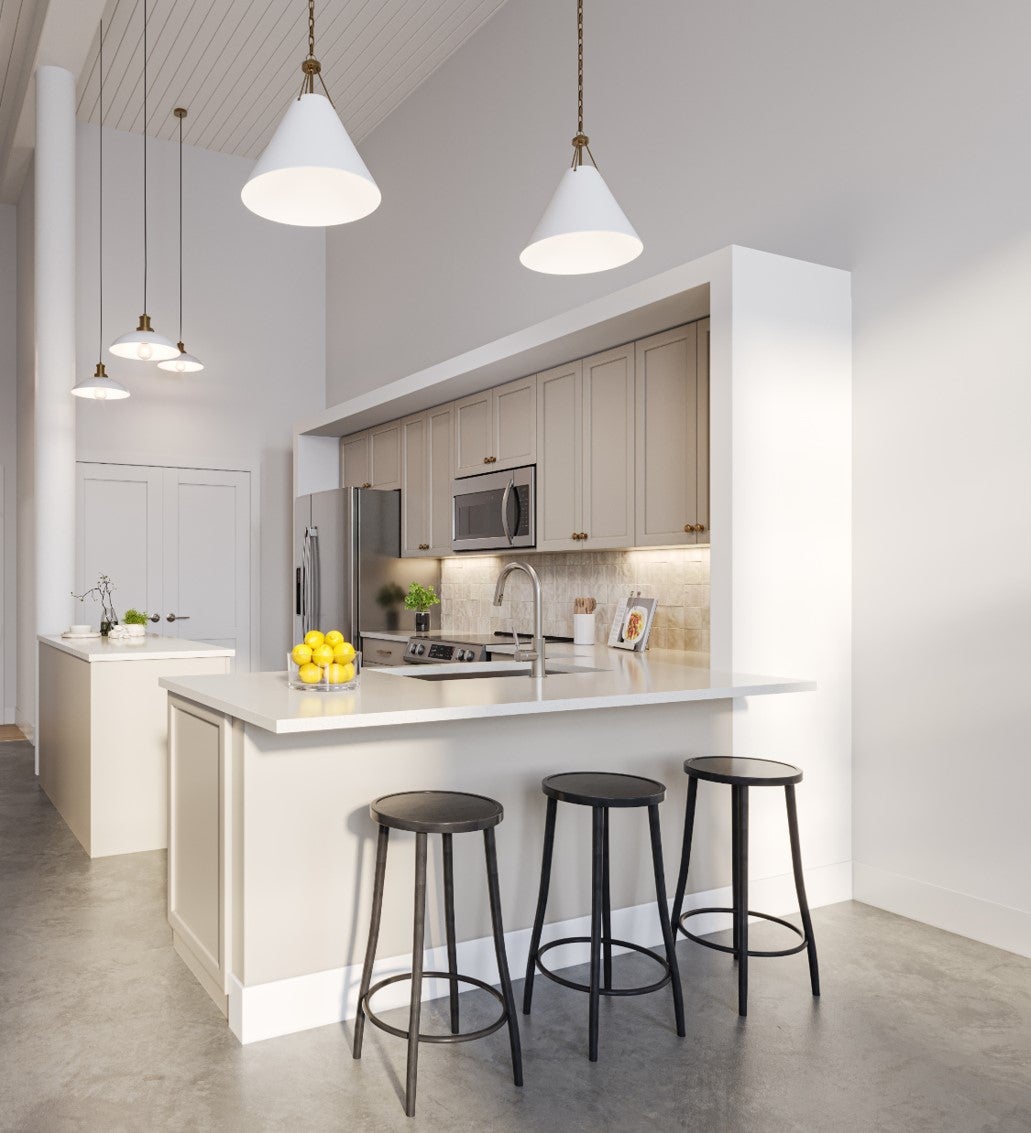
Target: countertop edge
pixel 84 651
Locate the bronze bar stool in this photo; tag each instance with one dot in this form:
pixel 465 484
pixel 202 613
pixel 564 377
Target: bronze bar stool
pixel 741 774
pixel 446 813
pixel 601 790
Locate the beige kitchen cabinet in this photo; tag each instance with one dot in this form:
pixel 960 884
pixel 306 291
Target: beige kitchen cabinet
pixel 382 650
pixel 496 429
pixel 372 459
pixel 426 483
pixel 585 437
pixel 672 481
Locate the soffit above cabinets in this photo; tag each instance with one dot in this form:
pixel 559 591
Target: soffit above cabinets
pixel 237 63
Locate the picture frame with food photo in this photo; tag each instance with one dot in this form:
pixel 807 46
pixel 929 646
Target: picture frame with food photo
pixel 632 624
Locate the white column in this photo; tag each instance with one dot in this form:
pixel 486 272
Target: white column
pixel 55 348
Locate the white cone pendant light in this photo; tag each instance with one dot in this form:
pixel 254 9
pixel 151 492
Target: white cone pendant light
pixel 99 386
pixel 144 344
pixel 182 363
pixel 583 229
pixel 311 174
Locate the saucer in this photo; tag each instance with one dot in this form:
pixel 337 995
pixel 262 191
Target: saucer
pixel 79 636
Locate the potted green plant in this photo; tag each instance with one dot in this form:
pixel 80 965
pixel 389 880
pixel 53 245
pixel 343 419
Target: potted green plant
pixel 136 622
pixel 102 593
pixel 420 598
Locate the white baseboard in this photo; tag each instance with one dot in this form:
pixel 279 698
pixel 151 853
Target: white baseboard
pixel 282 1007
pixel 998 925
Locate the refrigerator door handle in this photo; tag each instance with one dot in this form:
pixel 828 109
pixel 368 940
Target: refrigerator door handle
pixel 314 579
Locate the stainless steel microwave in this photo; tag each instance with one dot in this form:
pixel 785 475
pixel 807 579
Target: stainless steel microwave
pixel 495 511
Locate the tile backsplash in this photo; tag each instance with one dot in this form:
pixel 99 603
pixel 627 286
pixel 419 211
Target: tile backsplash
pixel 678 577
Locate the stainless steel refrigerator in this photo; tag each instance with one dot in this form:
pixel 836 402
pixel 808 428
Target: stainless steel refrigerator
pixel 348 570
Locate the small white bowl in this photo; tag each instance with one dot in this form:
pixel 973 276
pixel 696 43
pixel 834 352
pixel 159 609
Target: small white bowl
pixel 80 630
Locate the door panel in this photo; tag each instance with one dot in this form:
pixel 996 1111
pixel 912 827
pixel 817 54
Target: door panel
pixel 608 456
pixel 415 489
pixel 385 447
pixel 119 528
pixel 515 424
pixel 441 470
pixel 473 439
pixel 559 428
pixel 356 461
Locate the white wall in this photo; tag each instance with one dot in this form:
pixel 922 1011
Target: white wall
pixel 8 457
pixel 254 314
pixel 886 139
pixel 25 693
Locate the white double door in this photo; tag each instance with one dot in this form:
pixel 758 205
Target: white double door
pixel 176 543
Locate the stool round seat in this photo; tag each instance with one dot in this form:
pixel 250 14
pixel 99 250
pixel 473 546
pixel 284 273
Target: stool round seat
pixel 436 812
pixel 603 788
pixel 742 772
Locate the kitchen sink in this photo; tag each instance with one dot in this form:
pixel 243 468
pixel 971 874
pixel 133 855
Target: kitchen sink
pixel 501 671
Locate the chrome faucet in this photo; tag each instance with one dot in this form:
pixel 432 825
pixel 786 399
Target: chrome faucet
pixel 537 656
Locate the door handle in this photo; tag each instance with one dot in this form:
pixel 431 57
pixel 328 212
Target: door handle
pixel 155 617
pixel 178 618
pixel 504 510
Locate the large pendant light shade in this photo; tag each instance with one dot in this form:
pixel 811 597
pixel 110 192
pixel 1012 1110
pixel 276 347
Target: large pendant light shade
pixel 311 174
pixel 583 229
pixel 99 387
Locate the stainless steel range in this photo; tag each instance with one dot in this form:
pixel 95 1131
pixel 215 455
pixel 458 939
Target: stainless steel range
pixel 440 651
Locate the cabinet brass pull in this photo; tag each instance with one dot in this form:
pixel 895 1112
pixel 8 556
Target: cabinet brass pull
pixel 424 546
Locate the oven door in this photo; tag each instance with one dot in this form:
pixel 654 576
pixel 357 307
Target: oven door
pixel 495 512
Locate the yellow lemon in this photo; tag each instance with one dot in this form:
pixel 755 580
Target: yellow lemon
pixel 334 637
pixel 310 674
pixel 314 638
pixel 322 654
pixel 341 674
pixel 301 654
pixel 343 653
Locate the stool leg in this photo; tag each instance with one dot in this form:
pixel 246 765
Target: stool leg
pixel 667 930
pixel 370 951
pixel 685 855
pixel 415 1008
pixel 494 894
pixel 606 907
pixel 542 903
pixel 449 926
pixel 742 899
pixel 803 904
pixel 597 867
pixel 735 866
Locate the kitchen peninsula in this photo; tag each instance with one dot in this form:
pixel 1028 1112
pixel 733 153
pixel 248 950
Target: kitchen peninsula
pixel 271 843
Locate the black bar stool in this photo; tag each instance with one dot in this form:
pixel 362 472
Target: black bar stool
pixel 446 813
pixel 741 774
pixel 601 791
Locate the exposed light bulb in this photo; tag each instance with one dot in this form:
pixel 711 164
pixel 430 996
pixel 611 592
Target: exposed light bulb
pixel 144 351
pixel 100 395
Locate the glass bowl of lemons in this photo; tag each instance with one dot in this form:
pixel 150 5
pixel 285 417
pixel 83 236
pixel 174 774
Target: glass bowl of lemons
pixel 324 662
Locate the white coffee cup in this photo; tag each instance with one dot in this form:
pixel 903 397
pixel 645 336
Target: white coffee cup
pixel 80 630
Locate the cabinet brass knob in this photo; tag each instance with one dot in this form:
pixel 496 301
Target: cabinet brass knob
pixel 699 527
pixel 492 460
pixel 486 460
pixel 366 484
pixel 688 527
pixel 424 546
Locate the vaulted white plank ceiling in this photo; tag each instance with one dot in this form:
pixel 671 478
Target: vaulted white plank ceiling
pixel 235 64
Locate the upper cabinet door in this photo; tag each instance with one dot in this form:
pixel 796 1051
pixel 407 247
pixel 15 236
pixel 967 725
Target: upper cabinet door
pixel 356 461
pixel 385 456
pixel 702 514
pixel 474 434
pixel 415 538
pixel 441 472
pixel 559 443
pixel 608 449
pixel 515 424
pixel 669 421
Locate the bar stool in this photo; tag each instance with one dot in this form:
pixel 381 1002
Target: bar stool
pixel 446 813
pixel 602 791
pixel 741 774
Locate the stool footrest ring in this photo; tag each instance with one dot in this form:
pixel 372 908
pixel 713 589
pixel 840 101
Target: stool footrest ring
pixel 423 1038
pixel 603 991
pixel 679 926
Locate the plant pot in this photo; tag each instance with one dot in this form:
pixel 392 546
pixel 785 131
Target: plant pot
pixel 422 622
pixel 105 628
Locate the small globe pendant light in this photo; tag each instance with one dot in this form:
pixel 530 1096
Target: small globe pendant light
pixel 583 229
pixel 182 363
pixel 144 344
pixel 310 173
pixel 99 386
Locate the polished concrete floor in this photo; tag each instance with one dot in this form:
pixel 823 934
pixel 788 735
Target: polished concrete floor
pixel 102 1028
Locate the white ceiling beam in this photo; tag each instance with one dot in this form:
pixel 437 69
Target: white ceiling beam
pixel 64 32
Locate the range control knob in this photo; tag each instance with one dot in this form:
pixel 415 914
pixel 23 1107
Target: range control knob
pixel 419 650
pixel 467 655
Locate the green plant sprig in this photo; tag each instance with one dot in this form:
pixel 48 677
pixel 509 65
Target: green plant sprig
pixel 134 618
pixel 420 598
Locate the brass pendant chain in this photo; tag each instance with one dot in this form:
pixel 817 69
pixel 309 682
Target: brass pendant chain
pixel 311 29
pixel 580 142
pixel 311 66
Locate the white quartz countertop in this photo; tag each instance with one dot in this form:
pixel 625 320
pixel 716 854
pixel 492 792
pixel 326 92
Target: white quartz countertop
pixel 388 697
pixel 152 647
